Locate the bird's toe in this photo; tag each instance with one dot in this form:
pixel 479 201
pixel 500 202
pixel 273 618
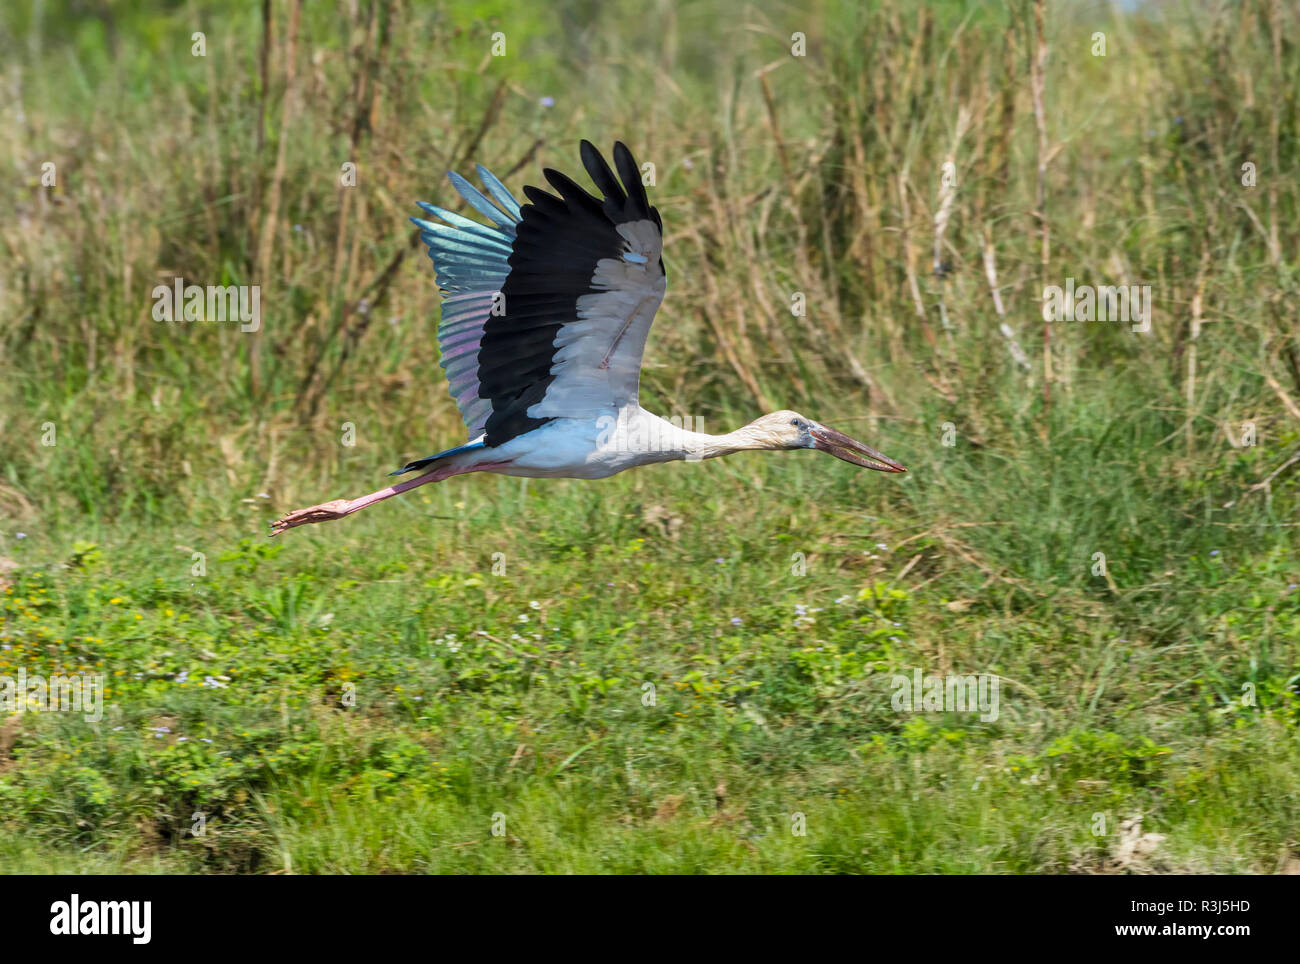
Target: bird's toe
pixel 317 513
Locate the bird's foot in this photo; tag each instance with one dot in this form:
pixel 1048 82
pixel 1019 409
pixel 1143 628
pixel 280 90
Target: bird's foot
pixel 317 513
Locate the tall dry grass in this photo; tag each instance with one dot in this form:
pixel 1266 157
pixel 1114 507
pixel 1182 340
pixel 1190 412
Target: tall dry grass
pixel 779 176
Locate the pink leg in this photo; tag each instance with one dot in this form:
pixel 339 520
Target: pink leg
pixel 339 508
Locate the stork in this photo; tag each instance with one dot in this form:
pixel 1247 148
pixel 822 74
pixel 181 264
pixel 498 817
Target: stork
pixel 545 314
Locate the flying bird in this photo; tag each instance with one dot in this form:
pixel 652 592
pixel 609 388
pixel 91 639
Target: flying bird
pixel 545 313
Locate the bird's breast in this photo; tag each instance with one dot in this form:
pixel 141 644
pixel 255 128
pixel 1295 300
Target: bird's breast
pixel 589 448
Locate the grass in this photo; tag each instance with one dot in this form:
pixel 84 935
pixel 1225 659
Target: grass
pixel 376 693
pixel 688 668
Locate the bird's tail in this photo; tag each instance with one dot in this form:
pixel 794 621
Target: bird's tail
pixel 425 463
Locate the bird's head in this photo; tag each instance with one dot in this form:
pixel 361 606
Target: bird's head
pixel 790 430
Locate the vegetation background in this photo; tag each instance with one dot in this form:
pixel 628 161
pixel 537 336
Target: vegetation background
pixel 373 696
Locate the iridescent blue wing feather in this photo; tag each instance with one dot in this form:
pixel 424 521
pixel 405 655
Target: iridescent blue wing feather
pixel 471 261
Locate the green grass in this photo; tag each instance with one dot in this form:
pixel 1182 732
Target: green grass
pixel 677 669
pixel 383 694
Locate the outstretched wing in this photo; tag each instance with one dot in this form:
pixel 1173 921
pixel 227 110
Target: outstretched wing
pixel 471 261
pixel 547 313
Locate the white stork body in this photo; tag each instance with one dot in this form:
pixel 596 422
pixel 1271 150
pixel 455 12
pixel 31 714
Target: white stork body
pixel 580 448
pixel 565 448
pixel 545 316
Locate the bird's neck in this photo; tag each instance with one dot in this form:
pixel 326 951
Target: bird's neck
pixel 700 445
pixel 660 440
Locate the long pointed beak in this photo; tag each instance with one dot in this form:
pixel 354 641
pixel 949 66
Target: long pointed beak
pixel 851 450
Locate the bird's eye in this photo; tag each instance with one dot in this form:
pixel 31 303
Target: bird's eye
pixel 798 423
